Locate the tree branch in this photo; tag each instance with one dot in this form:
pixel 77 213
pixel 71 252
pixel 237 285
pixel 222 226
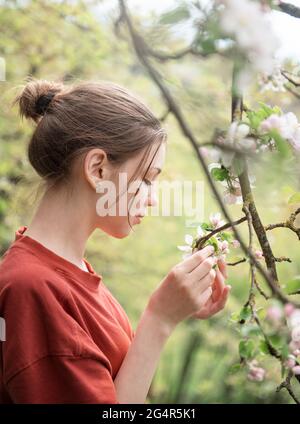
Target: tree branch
pixel 139 46
pixel 289 9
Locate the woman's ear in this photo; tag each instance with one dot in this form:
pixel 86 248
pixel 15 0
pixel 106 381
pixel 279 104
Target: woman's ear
pixel 95 166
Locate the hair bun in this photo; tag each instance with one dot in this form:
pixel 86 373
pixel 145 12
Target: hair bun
pixel 36 96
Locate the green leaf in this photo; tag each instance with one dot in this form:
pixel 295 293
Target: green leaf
pixel 263 347
pixel 226 236
pixel 268 110
pixel 295 198
pixel 235 316
pixel 219 174
pixel 256 117
pixel 280 142
pixel 250 330
pixel 246 348
pixel 213 242
pixel 284 350
pixel 245 313
pixel 176 15
pixel 293 285
pixel 234 368
pixel 283 371
pixel 208 45
pixel 206 227
pixel 261 312
pixel 275 341
pixel 254 120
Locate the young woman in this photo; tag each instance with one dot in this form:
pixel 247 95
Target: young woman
pixel 68 340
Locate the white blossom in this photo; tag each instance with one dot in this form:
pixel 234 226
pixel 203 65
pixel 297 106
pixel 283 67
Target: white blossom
pixel 236 137
pixel 187 248
pixel 246 23
pixel 215 220
pixel 286 125
pixel 273 82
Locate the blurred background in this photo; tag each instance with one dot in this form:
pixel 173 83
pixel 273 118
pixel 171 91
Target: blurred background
pixel 74 41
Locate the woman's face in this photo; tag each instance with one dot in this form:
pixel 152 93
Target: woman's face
pixel 113 215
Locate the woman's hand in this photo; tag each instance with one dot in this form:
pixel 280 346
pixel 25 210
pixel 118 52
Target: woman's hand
pixel 186 289
pixel 220 293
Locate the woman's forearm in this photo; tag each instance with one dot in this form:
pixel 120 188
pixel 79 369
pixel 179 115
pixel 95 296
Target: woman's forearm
pixel 138 367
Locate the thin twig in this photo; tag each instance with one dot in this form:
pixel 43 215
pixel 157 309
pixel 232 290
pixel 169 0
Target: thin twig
pixel 240 261
pixel 289 223
pixel 286 384
pixel 202 240
pixel 291 80
pixel 283 259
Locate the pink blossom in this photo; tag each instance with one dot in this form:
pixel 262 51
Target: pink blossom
pixel 272 122
pixel 238 193
pixel 235 244
pixel 288 309
pixel 287 126
pixel 258 254
pixel 230 199
pixel 215 219
pixel 294 346
pixel 255 373
pixel 223 247
pixel 296 334
pixel 274 314
pixel 296 370
pixel 290 362
pixel 204 151
pixel 294 318
pixel 233 195
pixel 295 140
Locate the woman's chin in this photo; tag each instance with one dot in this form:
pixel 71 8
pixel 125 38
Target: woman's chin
pixel 117 233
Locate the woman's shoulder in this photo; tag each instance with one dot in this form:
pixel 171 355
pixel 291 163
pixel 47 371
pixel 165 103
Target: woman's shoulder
pixel 21 270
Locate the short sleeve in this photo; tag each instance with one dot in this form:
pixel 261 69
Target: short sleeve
pixel 47 356
pixel 37 323
pixel 60 379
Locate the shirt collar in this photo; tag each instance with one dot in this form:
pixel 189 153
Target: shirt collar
pixel 91 278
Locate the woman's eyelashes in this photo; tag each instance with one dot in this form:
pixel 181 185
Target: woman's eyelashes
pixel 147 182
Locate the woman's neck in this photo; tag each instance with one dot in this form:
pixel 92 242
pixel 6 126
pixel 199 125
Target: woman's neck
pixel 62 226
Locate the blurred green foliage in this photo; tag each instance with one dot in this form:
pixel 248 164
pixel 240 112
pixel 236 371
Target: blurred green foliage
pixel 73 40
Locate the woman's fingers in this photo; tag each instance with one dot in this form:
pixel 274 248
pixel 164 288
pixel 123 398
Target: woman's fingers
pixel 206 295
pixel 192 262
pixel 220 304
pixel 223 267
pixel 201 285
pixel 218 286
pixel 211 307
pixel 203 269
